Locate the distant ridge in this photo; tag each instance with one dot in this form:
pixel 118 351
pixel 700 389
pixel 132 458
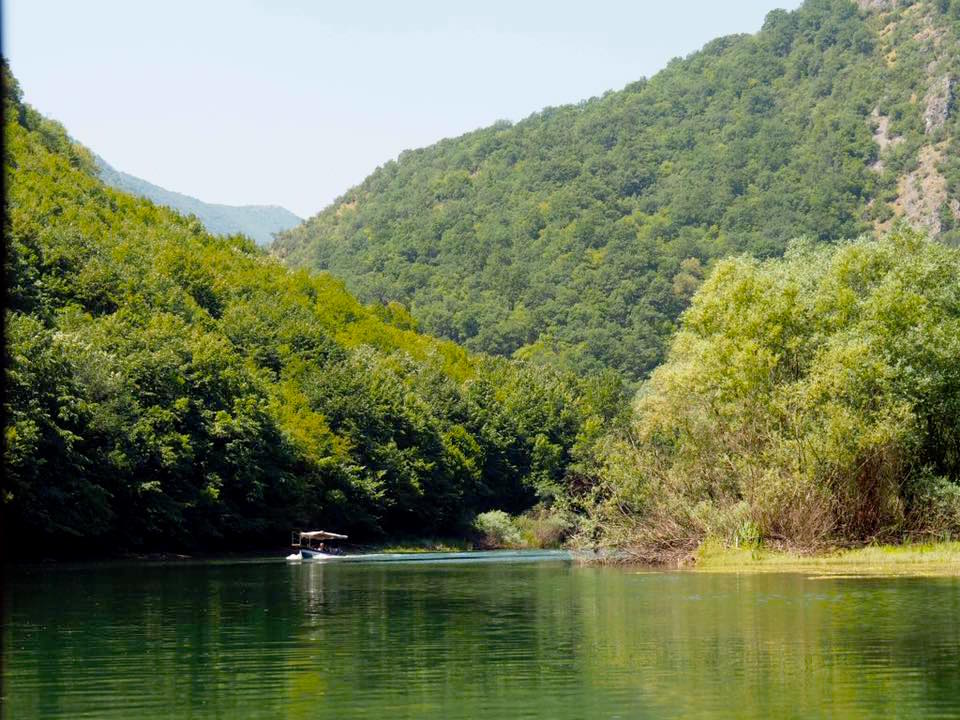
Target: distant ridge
pixel 258 222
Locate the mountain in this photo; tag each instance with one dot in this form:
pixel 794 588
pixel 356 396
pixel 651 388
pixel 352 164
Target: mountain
pixel 169 388
pixel 577 236
pixel 258 222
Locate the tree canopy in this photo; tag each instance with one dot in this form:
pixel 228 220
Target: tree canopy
pixel 577 236
pixel 170 388
pixel 806 401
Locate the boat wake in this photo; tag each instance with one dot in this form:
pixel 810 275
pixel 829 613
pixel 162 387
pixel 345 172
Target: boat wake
pixel 438 557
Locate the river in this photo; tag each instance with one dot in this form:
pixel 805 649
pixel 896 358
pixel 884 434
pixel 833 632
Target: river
pixel 510 636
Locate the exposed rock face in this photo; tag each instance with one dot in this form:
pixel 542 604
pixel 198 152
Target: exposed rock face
pixel 877 5
pixel 939 101
pixel 882 137
pixel 923 192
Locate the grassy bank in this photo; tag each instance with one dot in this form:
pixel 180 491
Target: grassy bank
pixel 417 545
pixel 912 559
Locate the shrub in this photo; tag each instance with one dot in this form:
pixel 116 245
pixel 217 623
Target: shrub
pixel 497 529
pixel 545 528
pixel 800 403
pixel 935 508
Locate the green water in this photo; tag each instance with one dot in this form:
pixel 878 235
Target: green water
pixel 523 639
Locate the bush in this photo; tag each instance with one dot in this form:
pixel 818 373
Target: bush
pixel 801 402
pixel 497 530
pixel 935 508
pixel 545 528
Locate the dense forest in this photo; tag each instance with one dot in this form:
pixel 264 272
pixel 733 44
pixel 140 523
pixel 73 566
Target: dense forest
pixel 166 388
pixel 577 236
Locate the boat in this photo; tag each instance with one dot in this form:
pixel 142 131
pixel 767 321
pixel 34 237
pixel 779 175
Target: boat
pixel 315 545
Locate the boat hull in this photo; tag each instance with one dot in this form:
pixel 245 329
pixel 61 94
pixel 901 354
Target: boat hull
pixel 316 555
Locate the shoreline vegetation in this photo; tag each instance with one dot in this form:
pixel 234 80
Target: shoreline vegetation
pixel 909 559
pixel 808 402
pixel 937 558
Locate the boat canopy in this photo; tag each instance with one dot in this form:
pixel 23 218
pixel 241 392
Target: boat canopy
pixel 322 534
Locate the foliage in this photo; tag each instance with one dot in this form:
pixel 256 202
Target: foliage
pixel 913 559
pixel 171 389
pixel 540 527
pixel 543 527
pixel 577 236
pixel 805 401
pixel 497 529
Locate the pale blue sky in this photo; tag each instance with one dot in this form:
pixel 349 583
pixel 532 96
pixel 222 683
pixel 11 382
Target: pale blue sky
pixel 292 102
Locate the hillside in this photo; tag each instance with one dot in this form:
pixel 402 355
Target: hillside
pixel 577 236
pixel 258 222
pixel 168 388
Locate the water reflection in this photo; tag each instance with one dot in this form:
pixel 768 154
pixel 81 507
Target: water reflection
pixel 539 639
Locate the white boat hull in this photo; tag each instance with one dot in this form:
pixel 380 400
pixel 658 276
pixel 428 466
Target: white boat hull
pixel 305 554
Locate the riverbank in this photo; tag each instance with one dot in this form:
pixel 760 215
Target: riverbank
pixel 417 545
pixel 401 545
pixel 911 559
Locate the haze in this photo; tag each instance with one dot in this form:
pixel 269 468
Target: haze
pixel 291 103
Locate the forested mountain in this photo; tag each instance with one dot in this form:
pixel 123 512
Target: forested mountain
pixel 577 236
pixel 258 222
pixel 165 387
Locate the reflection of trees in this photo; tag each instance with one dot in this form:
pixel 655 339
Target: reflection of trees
pixel 774 645
pixel 116 639
pixel 442 636
pixel 491 640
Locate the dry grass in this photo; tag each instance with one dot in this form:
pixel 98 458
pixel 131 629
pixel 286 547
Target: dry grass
pixel 911 559
pixel 421 545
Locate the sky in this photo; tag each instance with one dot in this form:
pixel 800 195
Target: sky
pixel 291 102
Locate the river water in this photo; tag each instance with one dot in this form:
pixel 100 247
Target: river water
pixel 499 637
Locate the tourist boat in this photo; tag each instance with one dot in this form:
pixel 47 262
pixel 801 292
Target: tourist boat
pixel 315 545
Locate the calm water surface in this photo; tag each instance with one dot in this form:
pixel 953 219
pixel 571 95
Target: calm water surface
pixel 529 638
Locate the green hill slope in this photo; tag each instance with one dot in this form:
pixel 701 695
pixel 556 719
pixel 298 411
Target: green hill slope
pixel 258 222
pixel 168 388
pixel 578 235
